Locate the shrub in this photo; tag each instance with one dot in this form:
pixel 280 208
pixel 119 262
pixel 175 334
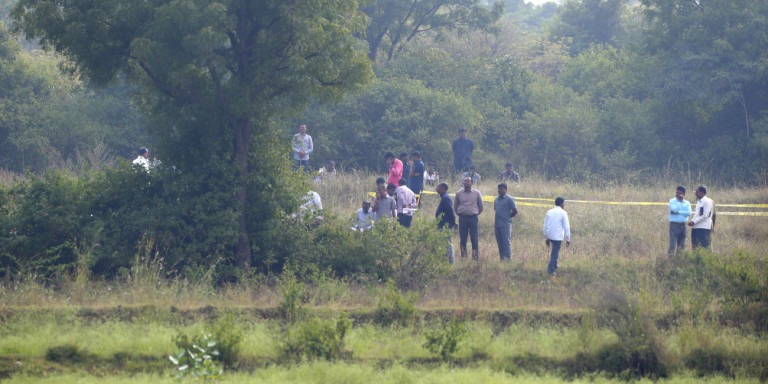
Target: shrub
pixel 198 361
pixel 225 335
pixel 295 295
pixel 316 339
pixel 444 341
pixel 67 354
pixel 639 352
pixel 395 308
pixel 419 257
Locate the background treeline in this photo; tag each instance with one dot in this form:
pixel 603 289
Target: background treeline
pixel 589 90
pixel 606 88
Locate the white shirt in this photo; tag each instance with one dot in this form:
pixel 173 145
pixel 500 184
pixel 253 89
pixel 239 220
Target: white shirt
pixel 405 199
pixel 702 217
pixel 364 220
pixel 556 224
pixel 143 161
pixel 311 202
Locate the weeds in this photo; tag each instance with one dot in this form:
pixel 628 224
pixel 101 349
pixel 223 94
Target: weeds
pixel 445 340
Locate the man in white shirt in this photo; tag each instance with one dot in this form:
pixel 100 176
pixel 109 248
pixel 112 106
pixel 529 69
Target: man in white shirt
pixel 312 203
pixel 143 159
pixel 556 228
pixel 406 201
pixel 302 147
pixel 703 222
pixel 364 217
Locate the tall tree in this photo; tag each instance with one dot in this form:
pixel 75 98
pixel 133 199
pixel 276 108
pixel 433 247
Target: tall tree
pixel 217 72
pixel 394 23
pixel 588 22
pixel 716 51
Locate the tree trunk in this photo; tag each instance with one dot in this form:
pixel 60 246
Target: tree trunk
pixel 242 143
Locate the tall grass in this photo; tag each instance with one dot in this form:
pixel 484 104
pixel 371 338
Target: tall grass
pixel 619 247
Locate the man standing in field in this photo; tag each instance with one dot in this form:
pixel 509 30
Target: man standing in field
pixel 556 228
pixel 679 212
pixel 446 218
pixel 395 168
pixel 703 222
pixel 505 209
pixel 462 151
pixel 406 201
pixel 468 205
pixel 302 147
pixel 416 175
pixel 406 166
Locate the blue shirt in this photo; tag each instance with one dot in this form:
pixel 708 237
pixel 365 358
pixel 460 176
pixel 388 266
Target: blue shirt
pixel 445 212
pixel 416 183
pixel 679 211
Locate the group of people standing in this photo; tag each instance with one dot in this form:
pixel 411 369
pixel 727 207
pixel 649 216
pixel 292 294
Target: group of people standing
pixel 701 220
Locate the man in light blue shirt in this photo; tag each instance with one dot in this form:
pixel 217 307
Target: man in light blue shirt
pixel 556 228
pixel 679 212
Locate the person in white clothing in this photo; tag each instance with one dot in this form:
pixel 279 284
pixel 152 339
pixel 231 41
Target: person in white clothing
pixel 406 201
pixel 703 222
pixel 302 147
pixel 556 229
pixel 143 159
pixel 364 217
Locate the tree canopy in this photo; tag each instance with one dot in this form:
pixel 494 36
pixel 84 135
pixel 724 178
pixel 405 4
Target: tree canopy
pixel 213 74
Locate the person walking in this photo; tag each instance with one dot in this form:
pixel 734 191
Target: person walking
pixel 505 209
pixel 462 152
pixel 468 205
pixel 556 229
pixel 302 147
pixel 446 218
pixel 679 213
pixel 703 222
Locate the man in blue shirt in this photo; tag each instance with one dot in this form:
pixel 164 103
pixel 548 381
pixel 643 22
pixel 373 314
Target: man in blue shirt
pixel 462 152
pixel 416 175
pixel 506 209
pixel 446 218
pixel 679 212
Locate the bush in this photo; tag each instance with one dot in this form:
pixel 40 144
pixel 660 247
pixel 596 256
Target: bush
pixel 295 295
pixel 316 339
pixel 639 352
pixel 444 341
pixel 394 308
pixel 43 219
pixel 198 360
pixel 225 335
pixel 67 354
pixel 420 255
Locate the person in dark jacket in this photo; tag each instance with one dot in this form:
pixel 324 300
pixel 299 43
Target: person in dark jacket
pixel 446 218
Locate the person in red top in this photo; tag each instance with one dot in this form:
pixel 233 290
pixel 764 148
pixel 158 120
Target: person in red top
pixel 395 168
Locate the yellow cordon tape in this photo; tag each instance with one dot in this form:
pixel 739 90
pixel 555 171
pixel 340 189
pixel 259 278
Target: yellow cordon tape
pixel 490 199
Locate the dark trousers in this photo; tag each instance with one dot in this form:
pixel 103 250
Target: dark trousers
pixel 468 225
pixel 552 267
pixel 677 234
pixel 504 240
pixel 301 163
pixel 701 237
pixel 404 220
